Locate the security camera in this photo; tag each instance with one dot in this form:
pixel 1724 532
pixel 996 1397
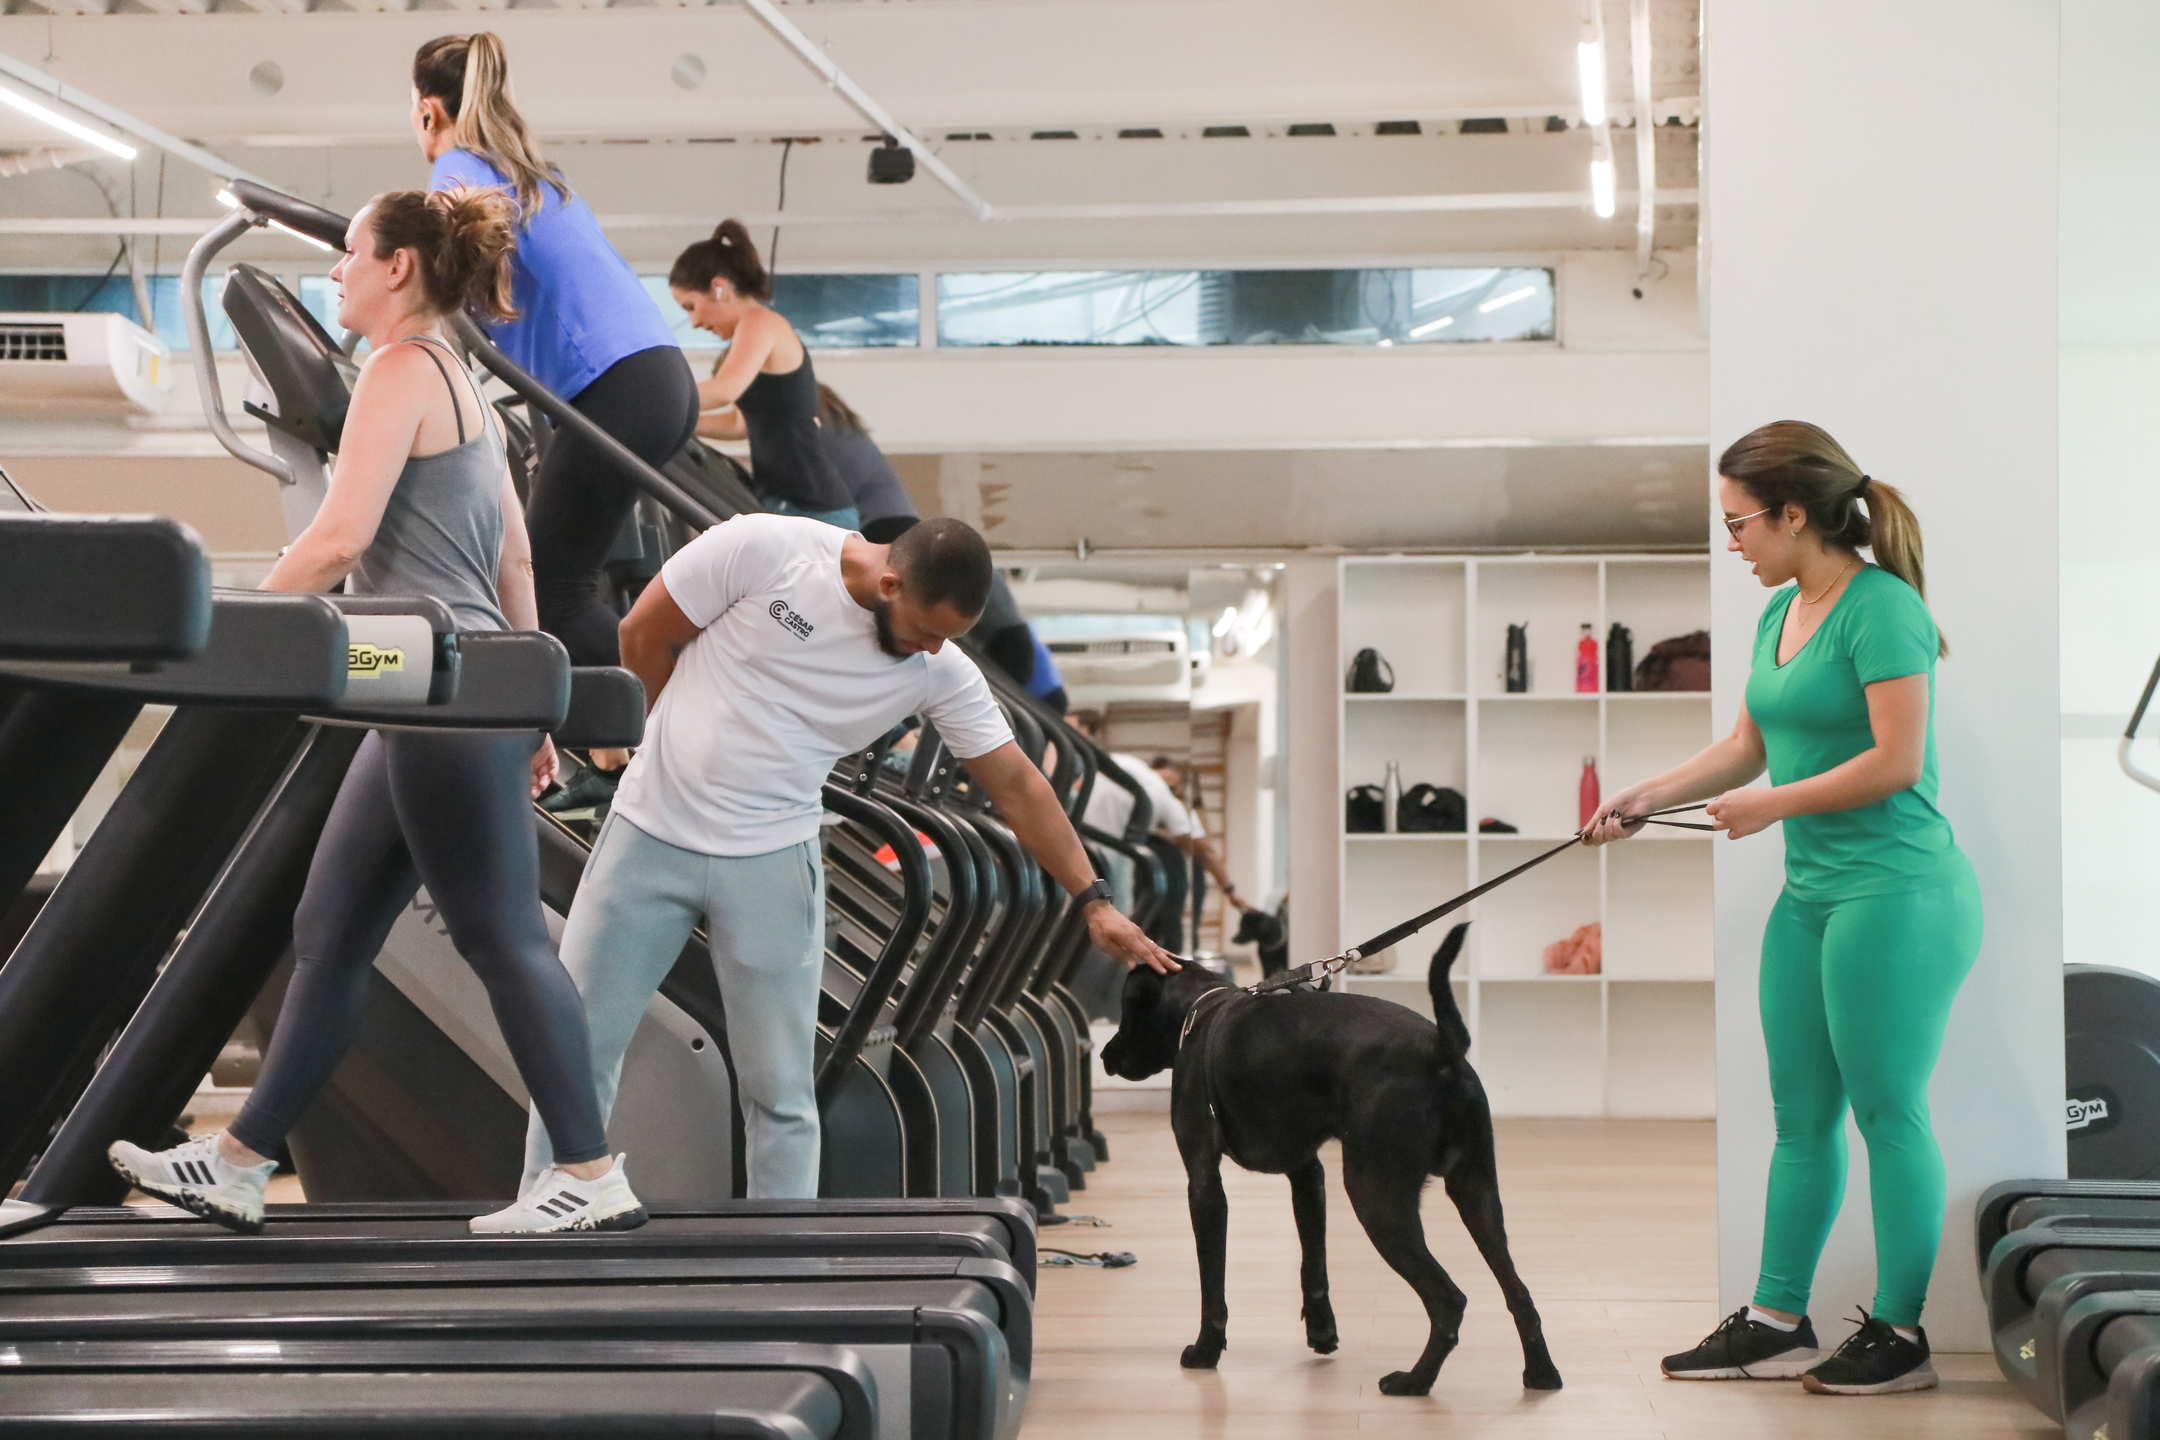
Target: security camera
pixel 891 163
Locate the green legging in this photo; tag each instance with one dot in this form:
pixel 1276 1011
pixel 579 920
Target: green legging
pixel 1855 995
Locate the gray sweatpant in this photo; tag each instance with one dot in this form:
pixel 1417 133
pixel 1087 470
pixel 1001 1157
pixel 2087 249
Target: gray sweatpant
pixel 765 915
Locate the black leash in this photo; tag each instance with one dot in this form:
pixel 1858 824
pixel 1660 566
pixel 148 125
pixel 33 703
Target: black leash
pixel 1321 969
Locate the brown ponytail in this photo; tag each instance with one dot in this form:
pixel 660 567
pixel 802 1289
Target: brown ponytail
pixel 728 256
pixel 470 75
pixel 837 413
pixel 461 240
pixel 1790 462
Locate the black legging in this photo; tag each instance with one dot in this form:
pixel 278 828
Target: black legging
pixel 580 497
pixel 452 812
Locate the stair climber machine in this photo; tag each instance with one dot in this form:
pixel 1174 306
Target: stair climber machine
pixel 2071 1268
pixel 928 1298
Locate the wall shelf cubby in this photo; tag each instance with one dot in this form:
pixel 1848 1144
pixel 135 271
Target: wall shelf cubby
pixel 1638 1038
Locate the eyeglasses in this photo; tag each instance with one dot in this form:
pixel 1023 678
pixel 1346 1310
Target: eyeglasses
pixel 1737 521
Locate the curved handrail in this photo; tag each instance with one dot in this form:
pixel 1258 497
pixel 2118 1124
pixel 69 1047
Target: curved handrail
pixel 885 975
pixel 2137 717
pixel 197 320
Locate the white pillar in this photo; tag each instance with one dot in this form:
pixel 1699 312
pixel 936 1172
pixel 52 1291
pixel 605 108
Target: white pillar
pixel 1315 792
pixel 1882 236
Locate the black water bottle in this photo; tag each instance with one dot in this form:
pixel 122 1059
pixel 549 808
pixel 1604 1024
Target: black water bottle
pixel 1619 659
pixel 1518 659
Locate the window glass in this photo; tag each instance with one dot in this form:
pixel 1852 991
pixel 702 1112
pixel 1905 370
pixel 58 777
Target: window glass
pixel 318 296
pixel 829 311
pixel 114 294
pixel 1246 307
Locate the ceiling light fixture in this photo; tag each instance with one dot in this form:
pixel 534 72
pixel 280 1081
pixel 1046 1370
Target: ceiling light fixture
pixel 61 122
pixel 1590 65
pixel 1419 332
pixel 1224 621
pixel 231 202
pixel 1508 299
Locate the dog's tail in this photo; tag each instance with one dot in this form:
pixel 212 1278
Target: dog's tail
pixel 1454 1034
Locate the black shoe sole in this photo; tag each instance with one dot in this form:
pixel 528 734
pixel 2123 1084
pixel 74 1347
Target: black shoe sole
pixel 194 1204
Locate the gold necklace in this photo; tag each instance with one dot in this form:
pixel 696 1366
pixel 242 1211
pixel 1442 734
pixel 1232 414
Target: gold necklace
pixel 1827 588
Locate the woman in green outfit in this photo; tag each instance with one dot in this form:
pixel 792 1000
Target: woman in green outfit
pixel 1880 918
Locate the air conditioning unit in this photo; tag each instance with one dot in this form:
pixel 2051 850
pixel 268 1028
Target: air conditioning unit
pixel 1124 664
pixel 74 366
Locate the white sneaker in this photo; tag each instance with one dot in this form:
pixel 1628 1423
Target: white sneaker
pixel 559 1200
pixel 196 1177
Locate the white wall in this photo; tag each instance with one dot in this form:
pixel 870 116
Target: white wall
pixel 2110 474
pixel 1880 269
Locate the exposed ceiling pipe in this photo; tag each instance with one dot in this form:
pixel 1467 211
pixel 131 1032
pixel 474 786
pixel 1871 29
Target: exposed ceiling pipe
pixel 120 120
pixel 858 99
pixel 32 162
pixel 1645 134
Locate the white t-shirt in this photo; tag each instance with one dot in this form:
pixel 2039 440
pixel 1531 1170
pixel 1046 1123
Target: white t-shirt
pixel 1110 805
pixel 785 677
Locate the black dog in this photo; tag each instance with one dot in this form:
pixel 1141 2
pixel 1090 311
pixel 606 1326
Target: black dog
pixel 1257 927
pixel 1267 1079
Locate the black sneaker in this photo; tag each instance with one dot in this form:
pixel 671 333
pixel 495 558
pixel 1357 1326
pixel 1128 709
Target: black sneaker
pixel 590 789
pixel 1744 1349
pixel 1875 1361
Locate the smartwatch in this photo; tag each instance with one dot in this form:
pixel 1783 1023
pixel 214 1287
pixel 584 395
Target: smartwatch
pixel 1100 890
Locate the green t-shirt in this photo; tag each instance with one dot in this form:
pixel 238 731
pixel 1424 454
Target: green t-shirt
pixel 1813 715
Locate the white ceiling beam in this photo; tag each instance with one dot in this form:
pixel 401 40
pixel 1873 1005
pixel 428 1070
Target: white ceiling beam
pixel 176 7
pixel 1646 198
pixel 1162 210
pixel 120 120
pixel 859 100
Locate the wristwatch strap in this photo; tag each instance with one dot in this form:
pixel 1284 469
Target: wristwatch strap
pixel 1100 890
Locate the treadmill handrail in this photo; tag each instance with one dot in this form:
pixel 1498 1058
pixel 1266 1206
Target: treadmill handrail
pixel 884 977
pixel 2129 736
pixel 198 332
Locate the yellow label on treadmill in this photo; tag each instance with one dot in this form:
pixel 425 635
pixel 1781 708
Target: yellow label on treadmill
pixel 2027 1350
pixel 364 659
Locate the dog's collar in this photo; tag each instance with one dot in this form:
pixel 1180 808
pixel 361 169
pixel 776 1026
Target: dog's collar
pixel 1192 1016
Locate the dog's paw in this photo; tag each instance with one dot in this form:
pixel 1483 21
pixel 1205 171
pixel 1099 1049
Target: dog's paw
pixel 1404 1382
pixel 1201 1355
pixel 1320 1327
pixel 1541 1375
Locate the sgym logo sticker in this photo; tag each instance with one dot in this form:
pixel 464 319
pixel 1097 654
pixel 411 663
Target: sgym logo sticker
pixel 364 659
pixel 779 611
pixel 2083 1114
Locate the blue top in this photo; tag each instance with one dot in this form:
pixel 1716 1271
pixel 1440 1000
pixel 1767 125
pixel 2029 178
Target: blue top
pixel 580 307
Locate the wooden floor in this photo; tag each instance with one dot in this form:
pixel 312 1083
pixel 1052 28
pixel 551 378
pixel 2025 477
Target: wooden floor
pixel 1613 1225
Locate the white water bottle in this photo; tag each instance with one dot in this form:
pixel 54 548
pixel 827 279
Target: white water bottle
pixel 1391 797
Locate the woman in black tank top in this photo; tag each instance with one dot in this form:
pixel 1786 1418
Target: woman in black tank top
pixel 765 376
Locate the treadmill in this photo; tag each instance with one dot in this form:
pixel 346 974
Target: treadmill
pixel 128 1081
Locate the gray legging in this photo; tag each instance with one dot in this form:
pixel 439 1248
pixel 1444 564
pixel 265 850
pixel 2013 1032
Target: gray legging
pixel 452 812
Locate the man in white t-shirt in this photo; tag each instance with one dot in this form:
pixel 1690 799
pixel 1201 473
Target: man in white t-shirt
pixel 770 646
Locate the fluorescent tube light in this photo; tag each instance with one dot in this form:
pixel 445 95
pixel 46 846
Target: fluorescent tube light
pixel 1508 299
pixel 1590 63
pixel 227 199
pixel 61 122
pixel 1224 621
pixel 1421 331
pixel 1601 188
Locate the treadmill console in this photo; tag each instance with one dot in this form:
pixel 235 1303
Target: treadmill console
pixel 309 376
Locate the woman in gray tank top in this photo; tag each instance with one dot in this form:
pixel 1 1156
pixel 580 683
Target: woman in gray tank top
pixel 421 504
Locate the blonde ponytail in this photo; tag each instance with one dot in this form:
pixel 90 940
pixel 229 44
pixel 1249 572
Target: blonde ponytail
pixel 1790 462
pixel 470 75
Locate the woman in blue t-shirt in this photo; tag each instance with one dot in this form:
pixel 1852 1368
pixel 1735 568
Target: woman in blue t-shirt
pixel 586 329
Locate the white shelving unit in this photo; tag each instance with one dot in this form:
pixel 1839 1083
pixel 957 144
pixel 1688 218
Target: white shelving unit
pixel 1638 1039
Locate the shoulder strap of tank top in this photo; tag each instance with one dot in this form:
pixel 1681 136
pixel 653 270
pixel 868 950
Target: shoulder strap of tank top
pixel 430 345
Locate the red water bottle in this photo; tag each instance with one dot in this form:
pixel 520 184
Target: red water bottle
pixel 1586 801
pixel 1586 663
